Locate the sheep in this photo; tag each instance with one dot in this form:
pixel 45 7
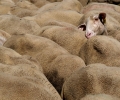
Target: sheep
pixel 112 16
pixel 64 34
pixel 99 97
pixel 93 79
pixel 26 4
pixel 22 78
pixel 94 25
pixel 15 25
pixel 57 63
pixel 101 49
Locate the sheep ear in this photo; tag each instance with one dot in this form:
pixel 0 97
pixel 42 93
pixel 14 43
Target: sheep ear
pixel 102 17
pixel 82 27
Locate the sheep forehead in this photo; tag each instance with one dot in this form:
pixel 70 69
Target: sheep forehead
pixel 92 17
pixel 95 16
pixel 92 24
pixel 91 20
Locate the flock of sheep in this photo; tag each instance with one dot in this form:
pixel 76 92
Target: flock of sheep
pixel 59 50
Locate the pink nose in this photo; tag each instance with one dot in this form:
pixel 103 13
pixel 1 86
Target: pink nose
pixel 88 35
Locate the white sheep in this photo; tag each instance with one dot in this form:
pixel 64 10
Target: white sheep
pixel 94 25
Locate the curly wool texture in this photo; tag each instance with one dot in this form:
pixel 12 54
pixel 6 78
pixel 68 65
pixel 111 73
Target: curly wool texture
pixel 39 3
pixel 21 12
pixel 110 9
pixel 7 2
pixel 4 9
pixel 58 15
pixel 108 1
pixel 10 57
pixel 23 81
pixel 57 63
pixel 93 79
pixel 73 5
pixel 26 4
pixel 101 49
pixel 65 11
pixel 22 78
pixel 23 89
pixel 99 97
pixel 49 50
pixel 66 35
pixel 16 25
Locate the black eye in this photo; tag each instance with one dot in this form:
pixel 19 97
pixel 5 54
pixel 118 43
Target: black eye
pixel 96 19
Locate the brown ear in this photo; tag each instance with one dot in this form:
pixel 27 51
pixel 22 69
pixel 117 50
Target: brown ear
pixel 102 17
pixel 82 27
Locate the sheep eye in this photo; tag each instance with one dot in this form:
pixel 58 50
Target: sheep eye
pixel 96 19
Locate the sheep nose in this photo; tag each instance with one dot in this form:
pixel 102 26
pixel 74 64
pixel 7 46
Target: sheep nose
pixel 88 35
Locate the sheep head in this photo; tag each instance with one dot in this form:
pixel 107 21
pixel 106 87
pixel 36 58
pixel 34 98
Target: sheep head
pixel 94 25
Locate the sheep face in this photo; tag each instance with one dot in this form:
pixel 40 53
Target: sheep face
pixel 94 25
